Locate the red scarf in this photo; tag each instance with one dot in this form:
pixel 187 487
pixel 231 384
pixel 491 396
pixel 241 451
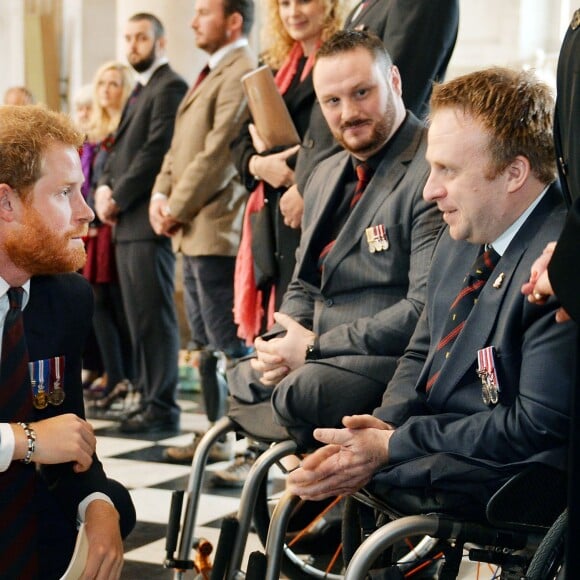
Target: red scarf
pixel 248 300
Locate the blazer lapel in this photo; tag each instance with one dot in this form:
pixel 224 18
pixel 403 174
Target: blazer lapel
pixel 192 95
pixel 321 210
pixel 385 180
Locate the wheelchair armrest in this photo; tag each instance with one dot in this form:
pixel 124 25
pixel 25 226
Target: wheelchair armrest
pixel 530 500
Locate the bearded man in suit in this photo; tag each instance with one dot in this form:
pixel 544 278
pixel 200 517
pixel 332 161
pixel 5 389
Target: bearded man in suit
pixel 43 217
pixel 442 425
pixel 359 284
pixel 145 261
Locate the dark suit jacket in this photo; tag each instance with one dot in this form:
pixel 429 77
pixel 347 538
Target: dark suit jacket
pixel 564 276
pixel 368 303
pixel 57 320
pixel 141 140
pixel 420 36
pixel 299 99
pixel 449 439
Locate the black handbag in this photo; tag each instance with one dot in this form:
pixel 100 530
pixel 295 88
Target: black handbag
pixel 263 247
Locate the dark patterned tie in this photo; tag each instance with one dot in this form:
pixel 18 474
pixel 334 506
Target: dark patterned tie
pixel 363 174
pixel 18 541
pixel 460 309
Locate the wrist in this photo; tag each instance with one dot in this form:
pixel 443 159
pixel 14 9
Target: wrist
pixel 252 167
pixel 30 445
pixel 313 350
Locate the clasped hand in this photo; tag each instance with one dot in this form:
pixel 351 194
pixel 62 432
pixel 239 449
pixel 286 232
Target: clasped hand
pixel 276 357
pixel 347 462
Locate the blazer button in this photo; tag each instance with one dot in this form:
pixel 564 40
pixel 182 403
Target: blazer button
pixel 329 302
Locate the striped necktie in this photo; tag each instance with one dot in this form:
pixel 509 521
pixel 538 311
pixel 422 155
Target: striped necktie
pixel 18 541
pixel 460 309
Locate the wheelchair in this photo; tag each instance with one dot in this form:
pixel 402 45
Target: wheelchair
pixel 254 421
pixel 520 531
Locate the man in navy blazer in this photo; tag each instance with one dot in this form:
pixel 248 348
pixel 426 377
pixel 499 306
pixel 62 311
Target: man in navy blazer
pixel 145 261
pixel 43 217
pixel 492 170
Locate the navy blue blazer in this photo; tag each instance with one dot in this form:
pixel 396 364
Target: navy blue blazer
pixel 449 438
pixel 57 320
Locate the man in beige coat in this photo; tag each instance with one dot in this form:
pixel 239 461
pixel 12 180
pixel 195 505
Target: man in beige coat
pixel 198 199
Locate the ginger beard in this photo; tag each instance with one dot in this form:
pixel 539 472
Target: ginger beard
pixel 39 250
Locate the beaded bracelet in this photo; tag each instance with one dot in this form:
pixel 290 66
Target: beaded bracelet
pixel 31 438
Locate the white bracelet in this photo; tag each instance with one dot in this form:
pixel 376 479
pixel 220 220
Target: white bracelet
pixel 31 438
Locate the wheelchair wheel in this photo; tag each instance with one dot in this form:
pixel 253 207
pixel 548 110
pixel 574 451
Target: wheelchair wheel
pixel 548 560
pixel 415 554
pixel 313 542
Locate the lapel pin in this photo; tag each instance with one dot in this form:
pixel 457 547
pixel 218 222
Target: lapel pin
pixel 499 281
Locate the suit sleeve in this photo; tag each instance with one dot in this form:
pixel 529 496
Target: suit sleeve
pixel 211 170
pixel 566 280
pixel 534 421
pixel 145 164
pixel 388 331
pixel 420 36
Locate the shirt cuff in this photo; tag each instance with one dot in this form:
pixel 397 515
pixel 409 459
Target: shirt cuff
pixel 7 444
pixel 81 513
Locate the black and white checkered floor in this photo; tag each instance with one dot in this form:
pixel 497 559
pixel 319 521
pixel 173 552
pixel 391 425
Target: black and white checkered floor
pixel 137 461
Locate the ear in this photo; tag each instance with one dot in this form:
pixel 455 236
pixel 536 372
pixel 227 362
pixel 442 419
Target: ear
pixel 517 173
pixel 235 24
pixel 161 43
pixel 9 203
pixel 396 80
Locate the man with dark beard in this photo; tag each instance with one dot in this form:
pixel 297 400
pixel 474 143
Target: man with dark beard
pixel 359 284
pixel 145 261
pixel 45 316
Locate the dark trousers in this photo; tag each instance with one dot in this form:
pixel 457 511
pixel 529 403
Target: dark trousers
pixel 146 276
pixel 317 394
pixel 209 300
pixel 112 332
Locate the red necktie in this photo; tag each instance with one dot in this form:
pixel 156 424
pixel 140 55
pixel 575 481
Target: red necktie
pixel 460 309
pixel 364 174
pixel 202 74
pixel 18 542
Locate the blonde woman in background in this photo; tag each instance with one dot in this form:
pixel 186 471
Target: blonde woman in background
pixel 111 87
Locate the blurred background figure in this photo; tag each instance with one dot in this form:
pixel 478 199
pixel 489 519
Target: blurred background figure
pixel 294 31
pixel 82 107
pixel 18 96
pixel 109 92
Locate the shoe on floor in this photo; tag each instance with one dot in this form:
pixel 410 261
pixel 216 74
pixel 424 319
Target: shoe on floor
pixel 146 421
pixel 236 473
pixel 219 451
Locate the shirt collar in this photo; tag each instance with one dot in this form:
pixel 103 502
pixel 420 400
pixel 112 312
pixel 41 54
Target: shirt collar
pixel 501 244
pixel 218 55
pixel 146 75
pixel 4 287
